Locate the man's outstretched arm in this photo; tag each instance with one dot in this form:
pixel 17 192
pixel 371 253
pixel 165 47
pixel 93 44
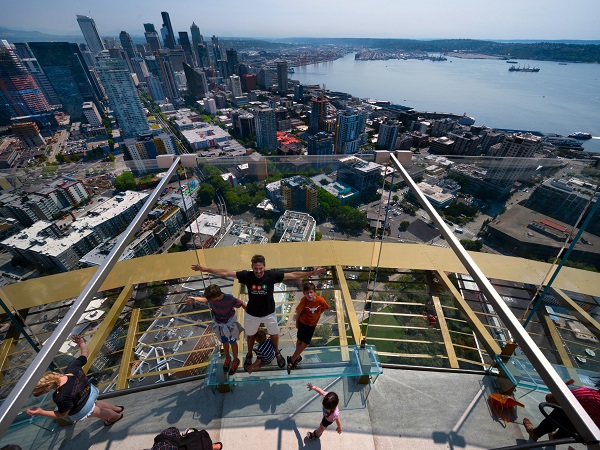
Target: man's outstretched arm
pixel 303 273
pixel 223 273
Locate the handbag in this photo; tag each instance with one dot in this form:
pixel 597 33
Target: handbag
pixel 501 402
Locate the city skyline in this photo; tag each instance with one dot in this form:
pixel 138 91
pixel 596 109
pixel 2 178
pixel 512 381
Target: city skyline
pixel 472 19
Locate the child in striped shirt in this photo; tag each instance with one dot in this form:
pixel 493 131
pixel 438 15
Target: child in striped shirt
pixel 265 352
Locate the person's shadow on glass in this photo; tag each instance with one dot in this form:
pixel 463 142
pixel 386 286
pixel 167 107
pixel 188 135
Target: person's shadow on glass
pixel 277 394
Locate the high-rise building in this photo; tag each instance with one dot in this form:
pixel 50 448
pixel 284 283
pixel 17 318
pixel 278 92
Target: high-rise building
pixel 388 133
pixel 169 37
pixel 28 133
pixel 320 144
pixel 318 114
pixel 184 41
pixel 243 123
pixel 122 96
pixel 248 82
pixel 91 114
pixel 128 45
pixel 465 143
pixel 294 226
pixel 364 176
pixel 266 128
pixel 139 67
pixel 236 86
pixel 265 78
pixel 298 193
pixel 350 133
pixel 282 76
pixel 217 51
pixel 90 34
pixel 232 62
pixel 63 64
pixel 196 40
pixel 298 92
pixel 196 82
pixel 110 43
pixel 166 74
pixel 152 37
pixel 34 68
pixel 18 86
pixel 146 146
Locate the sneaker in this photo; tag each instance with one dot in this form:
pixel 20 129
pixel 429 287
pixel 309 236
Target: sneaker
pixel 226 365
pixel 234 366
pixel 312 435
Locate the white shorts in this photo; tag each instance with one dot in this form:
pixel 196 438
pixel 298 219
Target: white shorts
pixel 251 324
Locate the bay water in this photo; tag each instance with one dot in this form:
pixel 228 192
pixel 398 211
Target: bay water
pixel 558 99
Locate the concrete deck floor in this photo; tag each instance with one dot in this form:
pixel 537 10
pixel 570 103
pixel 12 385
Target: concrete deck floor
pixel 404 409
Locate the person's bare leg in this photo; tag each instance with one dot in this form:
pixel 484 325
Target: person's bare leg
pixel 226 349
pixel 251 340
pixel 234 349
pixel 105 405
pixel 300 347
pixel 275 342
pixel 105 413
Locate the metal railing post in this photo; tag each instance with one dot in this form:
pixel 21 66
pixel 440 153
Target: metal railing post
pixel 22 390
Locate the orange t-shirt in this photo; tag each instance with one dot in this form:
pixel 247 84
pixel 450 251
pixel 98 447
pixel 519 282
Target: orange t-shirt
pixel 309 312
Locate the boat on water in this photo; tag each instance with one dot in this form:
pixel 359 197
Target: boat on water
pixel 562 142
pixel 290 70
pixel 562 64
pixel 512 62
pixel 580 135
pixel 523 69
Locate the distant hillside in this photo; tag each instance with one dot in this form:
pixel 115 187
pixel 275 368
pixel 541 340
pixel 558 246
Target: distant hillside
pixel 13 36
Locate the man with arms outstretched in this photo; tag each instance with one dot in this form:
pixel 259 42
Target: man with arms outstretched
pixel 260 284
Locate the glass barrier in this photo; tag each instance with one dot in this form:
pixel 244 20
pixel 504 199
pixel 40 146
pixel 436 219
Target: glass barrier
pixel 520 219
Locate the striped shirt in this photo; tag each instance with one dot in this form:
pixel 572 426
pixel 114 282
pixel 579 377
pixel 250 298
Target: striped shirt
pixel 224 309
pixel 590 400
pixel 266 351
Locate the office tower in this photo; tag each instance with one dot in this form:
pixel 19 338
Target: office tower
pixel 120 54
pixel 203 54
pixel 298 91
pixel 465 144
pixel 90 34
pixel 298 193
pixel 88 58
pixel 217 52
pixel 177 58
pixel 364 176
pixel 18 86
pixel 122 95
pixel 265 79
pixel 165 71
pixel 210 106
pixel 196 40
pixel 318 114
pixel 232 62
pixel 128 45
pixel 34 68
pixel 388 133
pixel 152 37
pixel 350 133
pixel 110 42
pixel 169 37
pixel 139 67
pixel 512 161
pixel 91 114
pixel 248 82
pixel 236 86
pixel 146 146
pixel 184 41
pixel 320 144
pixel 282 76
pixel 28 133
pixel 243 123
pixel 155 88
pixel 266 128
pixel 6 110
pixel 196 82
pixel 71 79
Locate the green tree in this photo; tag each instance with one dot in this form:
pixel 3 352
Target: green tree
pixel 318 236
pixel 404 224
pixel 205 194
pixel 125 182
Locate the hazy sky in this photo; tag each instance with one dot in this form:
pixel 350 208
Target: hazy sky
pixel 475 19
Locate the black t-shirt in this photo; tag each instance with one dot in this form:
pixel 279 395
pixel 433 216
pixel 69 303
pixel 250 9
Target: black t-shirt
pixel 261 302
pixel 71 396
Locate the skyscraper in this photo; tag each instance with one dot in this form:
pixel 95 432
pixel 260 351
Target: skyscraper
pixel 152 37
pixel 266 128
pixel 34 68
pixel 232 62
pixel 196 82
pixel 318 114
pixel 388 132
pixel 196 41
pixel 167 77
pixel 63 64
pixel 236 86
pixel 320 144
pixel 122 95
pixel 170 35
pixel 350 133
pixel 184 41
pixel 90 33
pixel 128 44
pixel 282 76
pixel 19 87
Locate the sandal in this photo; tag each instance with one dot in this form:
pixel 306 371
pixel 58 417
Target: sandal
pixel 295 365
pixel 290 365
pixel 108 423
pixel 312 435
pixel 234 366
pixel 220 445
pixel 248 360
pixel 122 409
pixel 529 428
pixel 226 364
pixel 280 359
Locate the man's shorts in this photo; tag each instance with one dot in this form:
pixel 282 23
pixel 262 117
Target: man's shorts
pixel 251 324
pixel 305 333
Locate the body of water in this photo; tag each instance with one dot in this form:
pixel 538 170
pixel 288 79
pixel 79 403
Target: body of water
pixel 558 99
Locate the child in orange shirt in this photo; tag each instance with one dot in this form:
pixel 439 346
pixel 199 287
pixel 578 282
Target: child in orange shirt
pixel 308 314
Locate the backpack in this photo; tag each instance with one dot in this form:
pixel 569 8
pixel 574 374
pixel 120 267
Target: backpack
pixel 192 439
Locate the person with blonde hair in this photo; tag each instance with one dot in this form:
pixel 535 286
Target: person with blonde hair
pixel 74 395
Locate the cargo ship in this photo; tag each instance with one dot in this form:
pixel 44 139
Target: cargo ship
pixel 581 135
pixel 523 69
pixel 512 62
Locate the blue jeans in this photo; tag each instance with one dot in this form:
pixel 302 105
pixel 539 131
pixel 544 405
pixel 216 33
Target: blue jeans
pixel 89 406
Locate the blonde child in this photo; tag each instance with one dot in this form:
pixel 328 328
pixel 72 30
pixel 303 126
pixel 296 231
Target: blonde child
pixel 331 412
pixel 308 313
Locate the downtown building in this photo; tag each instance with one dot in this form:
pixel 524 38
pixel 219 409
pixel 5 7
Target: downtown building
pixel 90 34
pixel 350 133
pixel 266 128
pixel 146 146
pixel 364 176
pixel 122 96
pixel 295 226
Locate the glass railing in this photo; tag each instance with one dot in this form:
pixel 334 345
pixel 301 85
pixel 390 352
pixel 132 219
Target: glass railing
pixel 411 298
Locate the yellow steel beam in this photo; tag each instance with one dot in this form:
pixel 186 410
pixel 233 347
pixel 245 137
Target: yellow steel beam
pixel 6 349
pixel 339 310
pixel 237 293
pixel 44 290
pixel 107 325
pixel 488 342
pixel 439 312
pixel 578 312
pixel 352 318
pixel 558 344
pixel 127 358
